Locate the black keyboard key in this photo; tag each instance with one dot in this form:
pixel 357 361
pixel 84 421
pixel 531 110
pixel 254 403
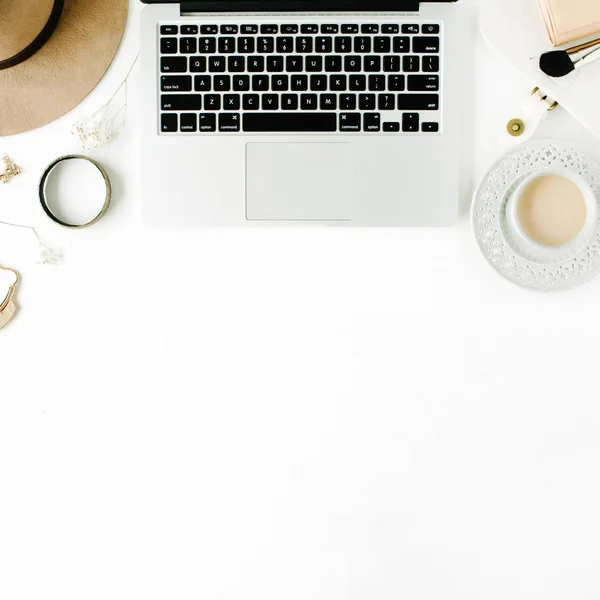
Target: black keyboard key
pixel 368 28
pixel 343 44
pixel 304 45
pixel 411 64
pixel 418 102
pixel 246 45
pixel 372 64
pixel 256 64
pixel 328 101
pixel 430 127
pixel 289 102
pixel 430 29
pixel 222 83
pixel 386 102
pixel 358 83
pixel 349 28
pixel 173 64
pixel 309 29
pixel 188 122
pixel 176 83
pixel 410 29
pixel 207 122
pixel 391 127
pixel 324 45
pixel 289 29
pixel 169 29
pixel 241 83
pixel 410 122
pixel 426 45
pixel 299 83
pixel 401 45
pixel 209 29
pixel 353 64
pixel 212 102
pixel 168 123
pixel 333 64
pixel 249 29
pixel 362 45
pixel 431 64
pixel 423 83
pixel 168 45
pixel 350 121
pixel 391 64
pixel 250 101
pixel 231 102
pixel 189 30
pixel 294 64
pixel 366 101
pixel 275 64
pixel 198 64
pixel 314 64
pixel 290 122
pixel 383 45
pixel 208 45
pixel 202 83
pixel 390 29
pixel 266 29
pixel 229 29
pixel 329 28
pixel 226 45
pixel 229 122
pixel 266 45
pixel 318 83
pixel 280 83
pixel 270 102
pixel 377 83
pixel 236 64
pixel 260 83
pixel 216 64
pixel 338 83
pixel 396 83
pixel 348 102
pixel 181 102
pixel 372 122
pixel 285 45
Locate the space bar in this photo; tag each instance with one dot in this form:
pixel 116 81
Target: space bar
pixel 289 122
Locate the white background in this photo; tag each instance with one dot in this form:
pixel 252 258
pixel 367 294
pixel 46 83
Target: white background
pixel 292 414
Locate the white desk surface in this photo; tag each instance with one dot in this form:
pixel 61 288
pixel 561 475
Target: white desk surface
pixel 298 414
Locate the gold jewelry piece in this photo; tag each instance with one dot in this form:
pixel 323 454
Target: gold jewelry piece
pixel 7 298
pixel 10 169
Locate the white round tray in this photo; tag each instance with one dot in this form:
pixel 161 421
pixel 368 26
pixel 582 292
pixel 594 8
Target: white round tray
pixel 501 249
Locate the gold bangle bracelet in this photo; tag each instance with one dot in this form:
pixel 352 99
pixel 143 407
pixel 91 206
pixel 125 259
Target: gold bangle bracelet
pixel 44 202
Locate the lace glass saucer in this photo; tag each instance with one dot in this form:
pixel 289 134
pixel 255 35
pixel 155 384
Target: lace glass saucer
pixel 502 249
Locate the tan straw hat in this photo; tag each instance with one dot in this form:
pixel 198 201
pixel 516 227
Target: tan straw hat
pixel 53 53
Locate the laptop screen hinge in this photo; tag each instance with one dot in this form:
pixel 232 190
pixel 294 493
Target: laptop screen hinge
pixel 302 6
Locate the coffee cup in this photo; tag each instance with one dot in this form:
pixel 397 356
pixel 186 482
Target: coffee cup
pixel 553 214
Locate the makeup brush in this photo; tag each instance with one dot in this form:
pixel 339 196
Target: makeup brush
pixel 559 63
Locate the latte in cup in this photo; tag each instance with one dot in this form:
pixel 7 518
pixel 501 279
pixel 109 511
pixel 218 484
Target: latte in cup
pixel 552 210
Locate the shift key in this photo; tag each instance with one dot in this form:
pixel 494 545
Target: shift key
pixel 418 102
pixel 181 102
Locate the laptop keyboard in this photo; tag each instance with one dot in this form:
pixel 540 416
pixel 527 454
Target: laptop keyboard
pixel 342 78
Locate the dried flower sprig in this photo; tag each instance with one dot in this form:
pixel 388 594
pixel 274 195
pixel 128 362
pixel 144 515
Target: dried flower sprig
pixel 11 169
pixel 48 255
pixel 104 126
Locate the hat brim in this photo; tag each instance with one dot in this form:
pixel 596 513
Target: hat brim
pixel 65 71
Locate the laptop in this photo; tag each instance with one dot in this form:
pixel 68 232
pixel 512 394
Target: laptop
pixel 329 112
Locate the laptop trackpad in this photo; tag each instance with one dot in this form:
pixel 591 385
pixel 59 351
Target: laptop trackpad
pixel 299 182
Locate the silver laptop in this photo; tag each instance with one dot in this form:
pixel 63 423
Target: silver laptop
pixel 334 112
